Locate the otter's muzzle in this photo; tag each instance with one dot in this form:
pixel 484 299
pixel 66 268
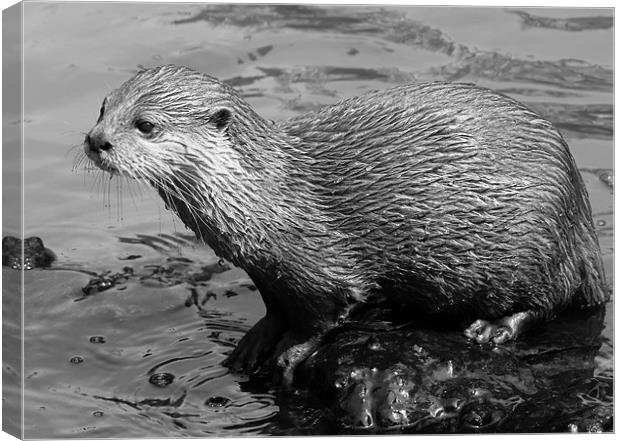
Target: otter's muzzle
pixel 95 147
pixel 95 144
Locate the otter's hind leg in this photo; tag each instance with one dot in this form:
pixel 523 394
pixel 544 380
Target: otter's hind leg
pixel 503 329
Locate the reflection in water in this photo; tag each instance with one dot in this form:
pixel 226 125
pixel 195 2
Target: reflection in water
pixel 150 343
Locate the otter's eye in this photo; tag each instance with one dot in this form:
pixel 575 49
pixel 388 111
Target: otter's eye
pixel 145 127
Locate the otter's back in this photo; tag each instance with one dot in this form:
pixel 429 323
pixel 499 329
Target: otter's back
pixel 454 188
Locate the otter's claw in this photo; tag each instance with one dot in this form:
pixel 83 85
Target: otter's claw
pixel 504 329
pixel 483 331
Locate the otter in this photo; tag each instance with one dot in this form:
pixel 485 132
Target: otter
pixel 449 201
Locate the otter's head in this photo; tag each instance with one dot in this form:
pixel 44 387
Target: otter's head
pixel 191 137
pixel 159 121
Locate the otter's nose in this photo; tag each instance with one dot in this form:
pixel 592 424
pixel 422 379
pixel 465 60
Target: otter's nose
pixel 96 143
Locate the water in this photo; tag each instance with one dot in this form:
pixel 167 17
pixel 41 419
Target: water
pixel 285 60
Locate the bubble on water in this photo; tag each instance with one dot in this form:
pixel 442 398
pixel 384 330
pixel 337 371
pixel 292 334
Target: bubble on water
pixel 77 359
pixel 161 379
pixel 601 223
pixel 217 401
pixel 98 413
pixel 97 339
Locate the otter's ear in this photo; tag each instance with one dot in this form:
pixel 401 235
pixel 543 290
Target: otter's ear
pixel 221 118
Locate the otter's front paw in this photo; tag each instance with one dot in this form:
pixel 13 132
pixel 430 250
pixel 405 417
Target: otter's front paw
pixel 256 346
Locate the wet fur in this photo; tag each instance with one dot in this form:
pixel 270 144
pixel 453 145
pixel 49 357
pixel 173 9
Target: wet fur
pixel 449 199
